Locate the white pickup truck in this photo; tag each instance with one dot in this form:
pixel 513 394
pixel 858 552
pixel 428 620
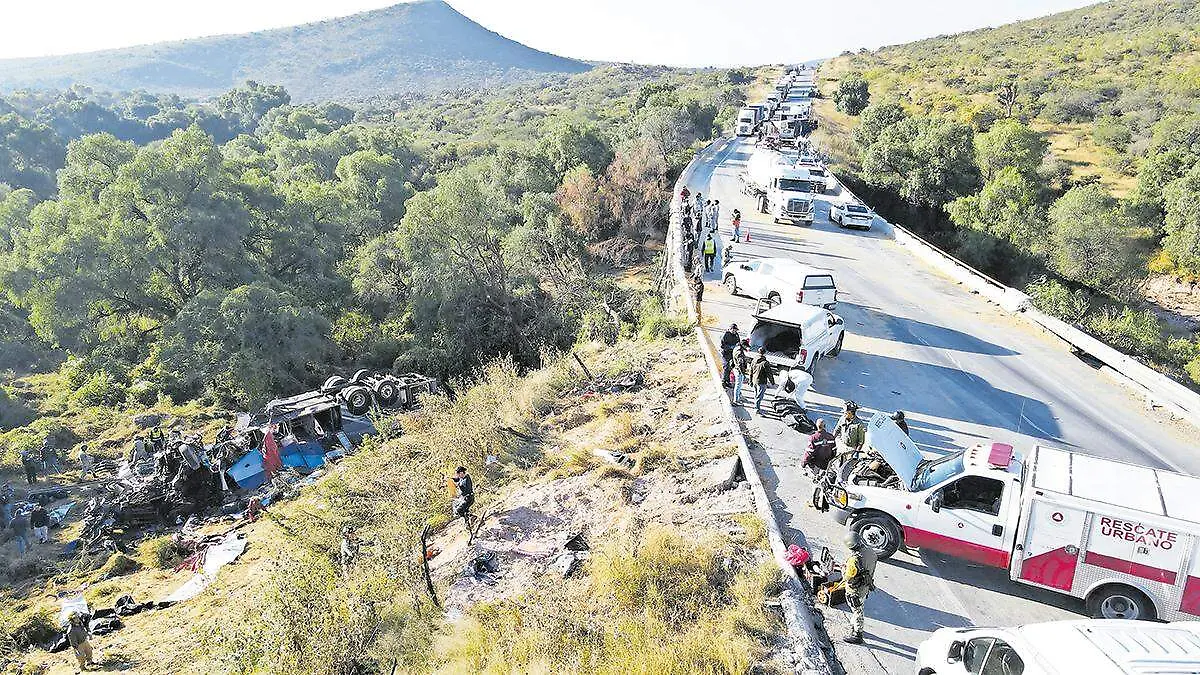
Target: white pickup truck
pixel 796 336
pixel 779 280
pixel 780 188
pixel 1123 537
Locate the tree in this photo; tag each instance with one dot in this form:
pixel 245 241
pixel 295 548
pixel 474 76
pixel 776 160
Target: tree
pixel 1008 208
pixel 377 181
pixel 1182 224
pixel 634 190
pixel 874 119
pixel 1089 241
pixel 569 145
pixel 929 162
pixel 852 94
pixel 1007 96
pixel 1009 143
pixel 581 203
pixel 29 154
pixel 246 346
pixel 245 106
pixel 667 131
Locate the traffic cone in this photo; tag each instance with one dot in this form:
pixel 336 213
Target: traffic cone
pixel 747 236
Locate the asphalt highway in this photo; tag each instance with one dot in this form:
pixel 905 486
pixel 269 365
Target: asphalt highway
pixel 963 370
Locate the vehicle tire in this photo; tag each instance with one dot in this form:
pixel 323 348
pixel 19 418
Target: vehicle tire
pixel 387 392
pixel 357 399
pixel 879 532
pixel 1118 601
pixel 360 376
pixel 731 284
pixel 773 299
pixel 333 384
pixel 837 347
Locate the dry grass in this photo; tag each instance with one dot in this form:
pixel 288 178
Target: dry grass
pixel 1073 143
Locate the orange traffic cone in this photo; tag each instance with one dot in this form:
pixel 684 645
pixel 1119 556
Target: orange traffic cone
pixel 747 236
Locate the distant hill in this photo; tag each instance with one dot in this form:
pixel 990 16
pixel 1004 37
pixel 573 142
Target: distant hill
pixel 1095 79
pixel 422 46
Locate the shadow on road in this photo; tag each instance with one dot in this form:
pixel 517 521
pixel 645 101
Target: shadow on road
pixel 873 323
pixel 991 578
pixel 883 606
pixel 934 391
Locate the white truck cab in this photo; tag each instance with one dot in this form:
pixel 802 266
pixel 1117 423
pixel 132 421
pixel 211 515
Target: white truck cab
pixel 1111 647
pixel 796 336
pixel 1123 537
pixel 780 188
pixel 747 122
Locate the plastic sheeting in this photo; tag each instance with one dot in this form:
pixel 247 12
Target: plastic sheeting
pixel 216 556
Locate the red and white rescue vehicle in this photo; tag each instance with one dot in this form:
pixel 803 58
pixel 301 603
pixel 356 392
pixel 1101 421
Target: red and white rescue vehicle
pixel 1121 536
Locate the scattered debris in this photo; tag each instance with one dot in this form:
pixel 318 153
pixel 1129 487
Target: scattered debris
pixel 215 557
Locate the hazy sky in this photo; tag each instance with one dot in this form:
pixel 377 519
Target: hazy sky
pixel 674 32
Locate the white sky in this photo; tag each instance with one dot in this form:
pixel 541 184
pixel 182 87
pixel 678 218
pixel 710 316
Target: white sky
pixel 674 32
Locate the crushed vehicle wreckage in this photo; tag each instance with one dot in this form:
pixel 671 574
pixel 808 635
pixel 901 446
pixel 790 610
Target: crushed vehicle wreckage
pixel 169 479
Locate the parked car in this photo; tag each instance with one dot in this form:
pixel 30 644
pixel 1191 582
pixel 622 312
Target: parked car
pixel 851 214
pixel 780 280
pixel 1108 647
pixel 796 336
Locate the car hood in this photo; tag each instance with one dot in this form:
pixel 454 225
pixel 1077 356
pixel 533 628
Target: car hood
pixel 896 448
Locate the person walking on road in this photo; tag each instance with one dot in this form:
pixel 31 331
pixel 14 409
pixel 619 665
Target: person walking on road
pixel 737 225
pixel 698 209
pixel 698 293
pixel 740 367
pixel 859 575
pixel 729 342
pixel 710 252
pixel 714 223
pixel 850 431
pixel 821 448
pixel 684 194
pixel 761 377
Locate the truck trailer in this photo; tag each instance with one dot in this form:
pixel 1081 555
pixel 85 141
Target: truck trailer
pixel 779 187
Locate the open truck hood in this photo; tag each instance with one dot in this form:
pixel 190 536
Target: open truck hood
pixel 896 448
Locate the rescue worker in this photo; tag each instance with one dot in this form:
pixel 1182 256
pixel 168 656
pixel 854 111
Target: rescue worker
pixel 710 252
pixel 79 636
pixel 821 448
pixel 20 532
pixel 850 431
pixel 30 464
pixel 761 377
pixel 698 209
pixel 698 293
pixel 684 194
pixel 859 576
pixel 729 342
pixel 898 418
pixel 466 495
pixel 740 368
pixel 87 467
pixel 6 504
pixel 714 221
pixel 49 457
pixel 39 521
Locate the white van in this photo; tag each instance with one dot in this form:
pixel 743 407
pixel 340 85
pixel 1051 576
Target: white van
pixel 796 336
pixel 781 280
pixel 1094 647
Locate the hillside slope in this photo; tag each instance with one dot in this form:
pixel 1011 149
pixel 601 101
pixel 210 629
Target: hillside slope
pixel 418 47
pixel 1094 79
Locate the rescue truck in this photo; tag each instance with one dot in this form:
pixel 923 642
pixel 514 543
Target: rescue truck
pixel 1120 536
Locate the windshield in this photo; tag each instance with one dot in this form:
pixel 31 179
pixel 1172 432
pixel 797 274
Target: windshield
pixel 853 208
pixel 937 471
pixel 746 119
pixel 794 185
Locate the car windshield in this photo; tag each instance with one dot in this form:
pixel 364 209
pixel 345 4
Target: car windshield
pixel 794 185
pixel 936 471
pixel 746 119
pixel 855 208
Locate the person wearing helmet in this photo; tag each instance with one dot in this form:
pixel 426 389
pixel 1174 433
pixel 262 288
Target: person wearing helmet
pixel 79 636
pixel 898 418
pixel 859 576
pixel 850 431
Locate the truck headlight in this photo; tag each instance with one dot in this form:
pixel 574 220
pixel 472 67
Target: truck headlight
pixel 841 497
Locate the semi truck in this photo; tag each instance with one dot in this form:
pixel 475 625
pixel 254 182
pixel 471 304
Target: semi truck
pixel 747 121
pixel 1122 537
pixel 780 188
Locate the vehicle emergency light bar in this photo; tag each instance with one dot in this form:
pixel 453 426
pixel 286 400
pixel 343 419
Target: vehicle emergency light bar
pixel 1001 455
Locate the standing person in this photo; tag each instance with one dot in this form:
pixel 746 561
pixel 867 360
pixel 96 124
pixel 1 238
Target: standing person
pixel 729 341
pixel 79 638
pixel 737 225
pixel 87 468
pixel 30 463
pixel 466 495
pixel 710 252
pixel 850 431
pixel 39 520
pixel 6 506
pixel 20 528
pixel 698 293
pixel 715 222
pixel 821 448
pixel 761 377
pixel 684 194
pixel 49 457
pixel 739 371
pixel 898 418
pixel 860 581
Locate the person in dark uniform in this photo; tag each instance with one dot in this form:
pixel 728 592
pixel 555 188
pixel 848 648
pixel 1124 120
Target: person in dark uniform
pixel 466 494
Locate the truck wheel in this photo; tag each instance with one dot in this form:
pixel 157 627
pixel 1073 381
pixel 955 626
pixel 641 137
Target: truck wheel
pixel 1118 601
pixel 360 376
pixel 731 284
pixel 358 400
pixel 386 392
pixel 773 299
pixel 880 533
pixel 333 384
pixel 837 347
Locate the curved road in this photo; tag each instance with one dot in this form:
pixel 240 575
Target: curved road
pixel 962 369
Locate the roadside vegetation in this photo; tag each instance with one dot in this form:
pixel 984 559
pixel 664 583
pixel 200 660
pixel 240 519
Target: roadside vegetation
pixel 1057 155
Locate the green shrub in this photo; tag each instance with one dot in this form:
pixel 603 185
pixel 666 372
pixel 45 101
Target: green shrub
pixel 21 630
pixel 1055 299
pixel 1129 330
pixel 654 323
pixel 161 553
pixel 1193 369
pixel 117 565
pixel 99 389
pixel 142 393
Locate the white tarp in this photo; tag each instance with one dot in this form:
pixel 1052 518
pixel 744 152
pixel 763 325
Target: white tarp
pixel 217 556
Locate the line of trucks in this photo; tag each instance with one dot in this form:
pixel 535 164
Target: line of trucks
pixel 785 115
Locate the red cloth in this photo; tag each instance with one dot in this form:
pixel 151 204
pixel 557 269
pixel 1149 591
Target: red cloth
pixel 270 452
pixel 797 556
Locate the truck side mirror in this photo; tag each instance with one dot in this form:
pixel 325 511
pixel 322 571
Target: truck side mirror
pixel 935 502
pixel 955 653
